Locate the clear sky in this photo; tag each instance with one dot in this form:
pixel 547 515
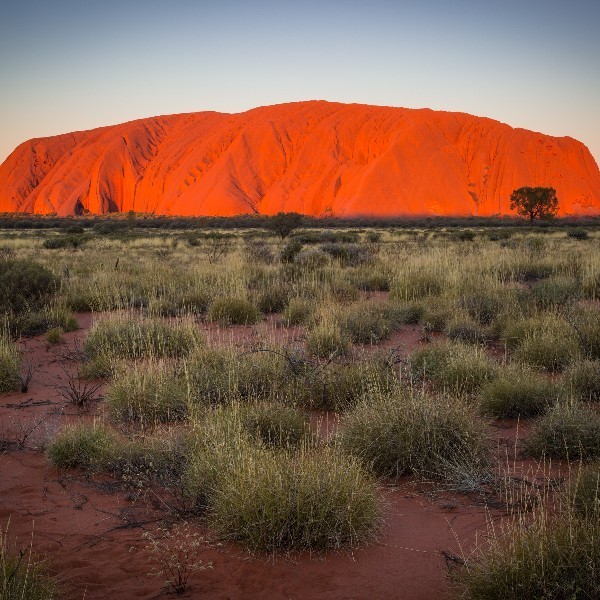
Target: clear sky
pixel 68 65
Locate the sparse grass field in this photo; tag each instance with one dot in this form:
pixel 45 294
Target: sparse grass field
pixel 274 388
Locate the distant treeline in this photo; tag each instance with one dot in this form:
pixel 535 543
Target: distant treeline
pixel 116 222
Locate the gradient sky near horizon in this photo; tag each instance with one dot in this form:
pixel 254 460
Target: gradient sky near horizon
pixel 71 65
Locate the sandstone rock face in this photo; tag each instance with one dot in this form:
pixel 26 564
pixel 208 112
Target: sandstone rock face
pixel 317 158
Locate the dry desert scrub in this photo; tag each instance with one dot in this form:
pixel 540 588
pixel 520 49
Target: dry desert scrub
pixel 23 576
pixel 10 365
pixel 405 431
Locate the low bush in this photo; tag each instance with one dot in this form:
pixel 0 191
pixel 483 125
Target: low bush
pixel 541 558
pixel 312 500
pixel 555 292
pixel 582 379
pixel 10 365
pixel 216 376
pixel 578 234
pixel 87 446
pixel 583 492
pixel 326 340
pixel 147 393
pixel 550 349
pixel 124 336
pixel 408 432
pixel 585 321
pixel 367 323
pixel 416 285
pixel 273 300
pixel 24 576
pixel 233 311
pixel 26 285
pixel 63 241
pixel 454 367
pixel 42 321
pixel 568 430
pixel 340 386
pixel 298 312
pixel 465 329
pixel 275 425
pixel 517 393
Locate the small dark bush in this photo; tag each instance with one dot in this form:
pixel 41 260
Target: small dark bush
pixel 25 285
pixel 578 234
pixel 233 311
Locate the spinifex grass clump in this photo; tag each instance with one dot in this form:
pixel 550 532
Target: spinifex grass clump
pixel 86 446
pixel 220 375
pixel 275 425
pixel 540 556
pixel 454 367
pixel 339 385
pixel 41 321
pixel 22 575
pixel 309 500
pixel 10 365
pixel 555 292
pixel 569 430
pixel 299 311
pixel 367 322
pixel 518 392
pixel 585 320
pixel 233 311
pixel 409 432
pixel 26 285
pixel 147 393
pixel 328 339
pixel 125 336
pixel 582 379
pixel 552 346
pixel 583 491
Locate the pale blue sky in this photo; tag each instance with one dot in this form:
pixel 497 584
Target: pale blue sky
pixel 68 65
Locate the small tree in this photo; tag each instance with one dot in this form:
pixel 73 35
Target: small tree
pixel 284 223
pixel 535 202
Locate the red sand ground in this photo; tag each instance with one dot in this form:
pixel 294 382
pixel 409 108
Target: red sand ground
pixel 317 158
pixel 91 528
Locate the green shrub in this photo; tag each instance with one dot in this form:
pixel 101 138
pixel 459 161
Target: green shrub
pixel 312 500
pixel 568 430
pixel 465 329
pixel 555 292
pixel 371 281
pixel 64 241
pixel 54 336
pixel 10 365
pixel 291 250
pixel 298 312
pixel 343 291
pixel 147 393
pixel 122 336
pixel 578 234
pixel 219 375
pixel 339 386
pixel 273 300
pixel 367 323
pixel 582 378
pixel 26 285
pixel 585 320
pixel 518 393
pixel 326 340
pixel 42 321
pixel 583 492
pixel 452 366
pixel 275 425
pixel 551 349
pixel 417 285
pixel 408 432
pixel 86 446
pixel 542 558
pixel 23 576
pixel 233 311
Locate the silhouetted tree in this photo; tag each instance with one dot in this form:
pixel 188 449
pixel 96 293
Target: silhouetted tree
pixel 535 202
pixel 284 223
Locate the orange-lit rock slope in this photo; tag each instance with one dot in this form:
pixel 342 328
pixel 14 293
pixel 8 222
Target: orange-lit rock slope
pixel 315 157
